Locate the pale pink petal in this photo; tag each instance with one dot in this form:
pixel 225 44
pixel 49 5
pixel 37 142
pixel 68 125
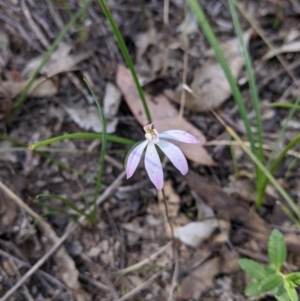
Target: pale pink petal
pixel 134 158
pixel 175 155
pixel 178 135
pixel 153 166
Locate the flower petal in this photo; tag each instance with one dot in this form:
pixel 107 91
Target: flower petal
pixel 175 155
pixel 134 158
pixel 178 135
pixel 153 166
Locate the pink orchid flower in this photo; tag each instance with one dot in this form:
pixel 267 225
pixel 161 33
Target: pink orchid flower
pixel 152 162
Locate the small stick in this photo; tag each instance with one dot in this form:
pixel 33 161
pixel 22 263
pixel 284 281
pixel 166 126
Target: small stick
pixel 175 276
pixel 38 33
pixel 141 287
pixel 38 264
pixel 145 261
pixel 25 289
pixel 169 221
pixel 95 283
pixel 185 62
pixel 40 273
pixel 70 229
pixel 166 12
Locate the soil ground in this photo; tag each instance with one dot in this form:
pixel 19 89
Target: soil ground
pixel 127 253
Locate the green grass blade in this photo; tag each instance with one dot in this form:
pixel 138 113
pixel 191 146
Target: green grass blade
pixel 281 156
pixel 267 173
pixel 81 31
pixel 254 94
pixel 66 201
pixel 273 164
pixel 103 146
pixel 53 211
pixel 207 30
pixel 292 111
pixel 46 57
pixel 110 138
pixel 284 105
pixel 126 56
pixel 48 157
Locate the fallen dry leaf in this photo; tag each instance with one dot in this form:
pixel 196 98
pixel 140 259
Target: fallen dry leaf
pixel 111 104
pixel 111 101
pixel 8 213
pixel 5 102
pixel 7 156
pixel 209 82
pixel 199 280
pixel 164 115
pixel 5 52
pixel 173 205
pixel 60 61
pixel 290 47
pixel 188 25
pixel 195 233
pixel 144 40
pixel 226 207
pixel 88 119
pixel 42 87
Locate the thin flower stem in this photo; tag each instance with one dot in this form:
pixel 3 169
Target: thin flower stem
pixel 169 220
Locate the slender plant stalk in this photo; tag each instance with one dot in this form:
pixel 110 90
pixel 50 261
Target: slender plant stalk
pixel 281 156
pixel 48 157
pixel 185 60
pixel 126 55
pixel 66 6
pixel 254 96
pixel 284 105
pixel 207 30
pixel 102 153
pixel 110 138
pixel 259 164
pixel 234 159
pixel 272 163
pixel 169 221
pixel 267 173
pixel 46 57
pixel 282 130
pixel 63 200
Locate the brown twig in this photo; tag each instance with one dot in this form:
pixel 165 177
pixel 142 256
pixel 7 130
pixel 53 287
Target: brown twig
pixel 40 273
pixel 185 64
pixel 145 261
pixel 108 284
pixel 38 33
pixel 175 276
pixel 93 282
pixel 70 229
pixel 25 289
pixel 38 264
pixel 166 12
pixel 164 199
pixel 258 29
pixel 141 287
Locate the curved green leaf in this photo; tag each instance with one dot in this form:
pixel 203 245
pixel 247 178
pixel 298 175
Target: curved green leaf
pixel 111 138
pixel 253 269
pixel 62 199
pixel 293 277
pixel 270 282
pixel 277 249
pixel 291 291
pixel 252 289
